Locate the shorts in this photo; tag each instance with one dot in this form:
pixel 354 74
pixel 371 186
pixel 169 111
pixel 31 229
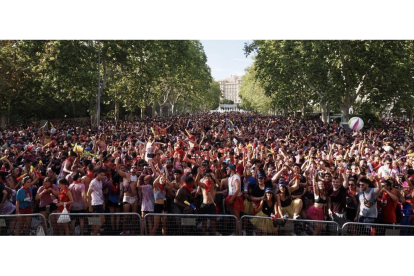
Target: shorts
pixel 366 219
pixel 315 213
pixel 52 208
pixel 208 209
pixel 25 211
pixel 291 208
pixel 98 209
pixel 130 199
pixel 351 214
pixel 76 212
pixel 113 204
pixel 160 208
pixel 150 155
pixel 339 218
pixel 238 203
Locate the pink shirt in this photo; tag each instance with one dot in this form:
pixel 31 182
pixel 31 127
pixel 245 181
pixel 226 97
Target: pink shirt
pixel 47 198
pixel 77 189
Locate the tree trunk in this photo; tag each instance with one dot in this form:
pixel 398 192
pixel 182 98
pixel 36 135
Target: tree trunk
pixel 172 109
pixel 152 110
pixel 92 111
pixel 346 104
pixel 303 111
pixel 324 109
pixel 116 110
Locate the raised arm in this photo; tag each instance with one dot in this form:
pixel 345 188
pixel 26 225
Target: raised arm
pixel 118 170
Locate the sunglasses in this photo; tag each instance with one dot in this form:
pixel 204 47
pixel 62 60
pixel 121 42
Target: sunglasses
pixel 352 185
pixel 360 185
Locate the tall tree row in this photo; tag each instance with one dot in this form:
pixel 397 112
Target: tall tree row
pixel 46 79
pixel 334 75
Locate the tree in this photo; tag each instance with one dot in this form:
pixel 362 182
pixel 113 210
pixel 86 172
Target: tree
pixel 334 74
pixel 252 93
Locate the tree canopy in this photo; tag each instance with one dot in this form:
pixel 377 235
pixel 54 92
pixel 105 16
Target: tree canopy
pixel 334 74
pixel 47 79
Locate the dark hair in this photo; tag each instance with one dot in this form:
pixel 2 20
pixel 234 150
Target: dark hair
pixel 63 181
pixel 100 171
pixel 76 176
pixel 189 179
pixel 178 171
pixel 366 181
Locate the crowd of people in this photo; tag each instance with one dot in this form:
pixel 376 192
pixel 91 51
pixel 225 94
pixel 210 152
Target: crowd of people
pixel 235 163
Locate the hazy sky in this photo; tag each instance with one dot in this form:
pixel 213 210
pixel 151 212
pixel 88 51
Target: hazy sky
pixel 226 57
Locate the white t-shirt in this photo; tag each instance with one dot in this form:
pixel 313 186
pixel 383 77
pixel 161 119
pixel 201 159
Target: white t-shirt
pixel 384 171
pixel 97 194
pixel 232 184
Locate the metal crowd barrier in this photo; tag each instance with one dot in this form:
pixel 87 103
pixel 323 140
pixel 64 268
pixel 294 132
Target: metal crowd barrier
pixel 23 225
pixel 92 224
pixel 376 229
pixel 264 226
pixel 111 224
pixel 190 225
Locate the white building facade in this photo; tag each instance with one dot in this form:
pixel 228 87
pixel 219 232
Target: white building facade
pixel 230 88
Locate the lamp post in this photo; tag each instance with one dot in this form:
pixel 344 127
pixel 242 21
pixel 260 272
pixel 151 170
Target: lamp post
pixel 98 110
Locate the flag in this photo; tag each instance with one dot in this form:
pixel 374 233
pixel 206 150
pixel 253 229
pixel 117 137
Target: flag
pixel 269 122
pixel 44 125
pixel 188 123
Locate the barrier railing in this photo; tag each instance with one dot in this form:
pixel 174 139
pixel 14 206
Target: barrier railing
pixel 23 225
pixel 110 224
pixel 190 225
pixel 376 229
pixel 105 224
pixel 257 225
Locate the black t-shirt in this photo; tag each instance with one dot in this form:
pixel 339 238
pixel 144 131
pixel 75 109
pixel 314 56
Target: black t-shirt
pixel 268 210
pixel 338 199
pixel 257 192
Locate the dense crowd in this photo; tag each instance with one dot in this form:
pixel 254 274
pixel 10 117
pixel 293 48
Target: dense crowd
pixel 242 164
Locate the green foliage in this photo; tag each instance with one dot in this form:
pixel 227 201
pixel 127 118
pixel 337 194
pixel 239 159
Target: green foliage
pixel 335 75
pixel 226 101
pixel 63 76
pixel 252 93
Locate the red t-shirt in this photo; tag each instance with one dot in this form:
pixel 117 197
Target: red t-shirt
pixel 388 214
pixel 63 197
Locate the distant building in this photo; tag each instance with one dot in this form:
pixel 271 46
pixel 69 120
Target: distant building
pixel 230 88
pixel 227 108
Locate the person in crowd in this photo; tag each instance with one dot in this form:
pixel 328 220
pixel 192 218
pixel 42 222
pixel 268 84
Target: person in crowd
pixel 267 207
pixel 367 211
pixel 318 210
pixel 79 205
pixel 285 203
pixel 96 200
pixel 234 200
pixel 24 198
pixel 389 200
pixel 337 199
pixel 277 147
pixel 160 186
pixel 64 202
